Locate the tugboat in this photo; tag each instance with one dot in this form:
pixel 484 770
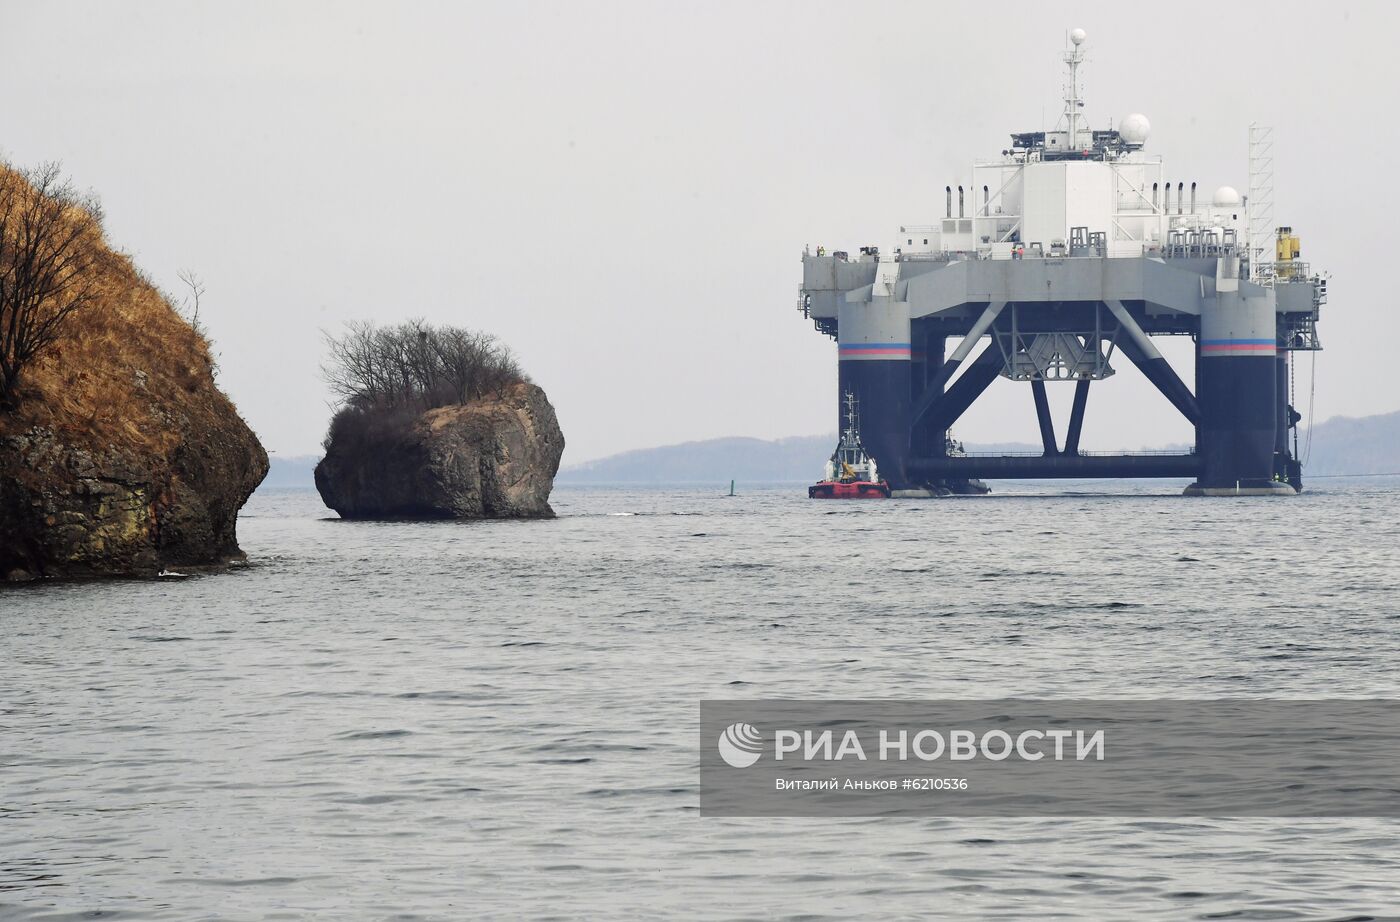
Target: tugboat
pixel 850 472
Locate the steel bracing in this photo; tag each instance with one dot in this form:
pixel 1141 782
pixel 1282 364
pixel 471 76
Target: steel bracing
pixel 1074 248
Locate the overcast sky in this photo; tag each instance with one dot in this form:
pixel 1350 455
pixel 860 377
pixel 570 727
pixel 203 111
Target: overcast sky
pixel 622 192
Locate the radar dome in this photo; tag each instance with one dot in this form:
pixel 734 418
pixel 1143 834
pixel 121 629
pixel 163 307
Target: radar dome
pixel 1135 129
pixel 1225 197
pixel 1078 36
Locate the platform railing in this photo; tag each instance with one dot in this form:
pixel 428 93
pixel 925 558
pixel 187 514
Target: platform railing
pixel 1149 453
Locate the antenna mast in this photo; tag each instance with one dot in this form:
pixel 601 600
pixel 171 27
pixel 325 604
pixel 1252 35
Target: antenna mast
pixel 1074 57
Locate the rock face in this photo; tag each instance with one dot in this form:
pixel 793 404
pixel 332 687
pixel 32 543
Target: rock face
pixel 493 458
pixel 72 511
pixel 119 455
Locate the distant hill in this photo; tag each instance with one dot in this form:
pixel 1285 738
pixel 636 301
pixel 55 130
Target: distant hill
pixel 746 460
pixel 1341 445
pixel 1348 445
pixel 710 461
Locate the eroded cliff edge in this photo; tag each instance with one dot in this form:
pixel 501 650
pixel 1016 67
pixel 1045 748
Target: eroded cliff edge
pixel 119 455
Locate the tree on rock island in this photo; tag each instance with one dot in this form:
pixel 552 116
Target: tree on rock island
pixel 435 422
pixel 49 240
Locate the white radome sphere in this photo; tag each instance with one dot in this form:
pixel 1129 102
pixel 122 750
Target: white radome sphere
pixel 1225 197
pixel 1078 36
pixel 1135 129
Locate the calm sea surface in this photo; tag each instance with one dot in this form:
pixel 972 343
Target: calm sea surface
pixel 454 720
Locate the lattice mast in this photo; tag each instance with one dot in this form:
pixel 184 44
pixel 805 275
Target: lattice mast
pixel 1259 207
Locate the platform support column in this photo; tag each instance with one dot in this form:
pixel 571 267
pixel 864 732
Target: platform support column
pixel 924 441
pixel 1076 416
pixel 1042 415
pixel 873 341
pixel 1237 383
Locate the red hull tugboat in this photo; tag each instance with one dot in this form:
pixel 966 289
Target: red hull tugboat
pixel 851 472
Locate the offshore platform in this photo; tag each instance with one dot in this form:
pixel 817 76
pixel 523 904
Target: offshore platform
pixel 1070 250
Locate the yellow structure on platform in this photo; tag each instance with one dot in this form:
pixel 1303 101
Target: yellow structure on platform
pixel 1286 250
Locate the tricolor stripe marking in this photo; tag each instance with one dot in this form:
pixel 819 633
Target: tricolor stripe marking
pixel 881 350
pixel 1244 346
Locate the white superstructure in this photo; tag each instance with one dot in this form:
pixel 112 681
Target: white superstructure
pixel 1078 191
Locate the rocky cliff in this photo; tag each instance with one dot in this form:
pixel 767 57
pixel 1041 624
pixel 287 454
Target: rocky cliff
pixel 119 456
pixel 495 457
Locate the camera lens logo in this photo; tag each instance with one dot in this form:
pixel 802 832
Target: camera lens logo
pixel 740 745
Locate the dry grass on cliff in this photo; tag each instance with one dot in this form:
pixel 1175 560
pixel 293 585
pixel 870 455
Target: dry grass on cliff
pixel 127 372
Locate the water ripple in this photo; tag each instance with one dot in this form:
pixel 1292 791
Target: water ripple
pixel 425 721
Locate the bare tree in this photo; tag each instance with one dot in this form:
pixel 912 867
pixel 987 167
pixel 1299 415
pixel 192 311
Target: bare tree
pixel 191 303
pixel 415 365
pixel 47 255
pixel 355 369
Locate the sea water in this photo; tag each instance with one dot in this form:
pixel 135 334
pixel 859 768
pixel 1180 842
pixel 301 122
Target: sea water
pixel 499 719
